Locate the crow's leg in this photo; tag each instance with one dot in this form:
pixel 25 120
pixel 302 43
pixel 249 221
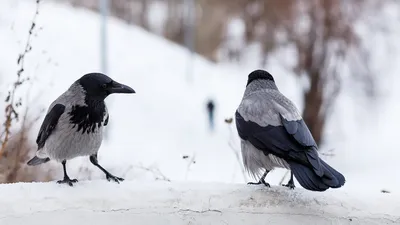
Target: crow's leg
pixel 109 176
pixel 66 179
pixel 262 180
pixel 290 184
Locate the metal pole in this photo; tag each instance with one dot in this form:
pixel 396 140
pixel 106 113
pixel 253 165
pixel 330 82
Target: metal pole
pixel 103 34
pixel 189 37
pixel 104 7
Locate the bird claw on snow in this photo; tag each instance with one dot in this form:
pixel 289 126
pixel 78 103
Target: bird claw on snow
pixel 260 182
pixel 289 185
pixel 114 178
pixel 67 181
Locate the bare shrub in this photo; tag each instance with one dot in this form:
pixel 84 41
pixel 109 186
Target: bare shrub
pixel 12 103
pixel 233 146
pixel 16 144
pixel 324 49
pixel 18 151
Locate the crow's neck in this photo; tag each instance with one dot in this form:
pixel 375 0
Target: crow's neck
pixel 88 117
pixel 257 85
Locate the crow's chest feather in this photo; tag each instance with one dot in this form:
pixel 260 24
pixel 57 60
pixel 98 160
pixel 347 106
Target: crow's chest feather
pixel 87 118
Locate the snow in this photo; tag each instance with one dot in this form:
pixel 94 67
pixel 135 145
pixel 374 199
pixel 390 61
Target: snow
pixel 166 120
pixel 100 202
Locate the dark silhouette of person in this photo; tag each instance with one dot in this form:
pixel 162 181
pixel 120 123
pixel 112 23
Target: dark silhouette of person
pixel 210 109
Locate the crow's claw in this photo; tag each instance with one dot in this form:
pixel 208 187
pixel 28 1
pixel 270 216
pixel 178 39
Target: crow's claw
pixel 289 185
pixel 68 181
pixel 260 182
pixel 114 178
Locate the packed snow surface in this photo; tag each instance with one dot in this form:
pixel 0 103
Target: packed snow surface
pixel 100 202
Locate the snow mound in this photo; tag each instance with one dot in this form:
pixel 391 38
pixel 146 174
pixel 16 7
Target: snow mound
pixel 100 202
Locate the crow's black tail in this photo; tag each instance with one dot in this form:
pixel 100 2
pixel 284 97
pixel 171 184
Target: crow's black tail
pixel 36 161
pixel 311 181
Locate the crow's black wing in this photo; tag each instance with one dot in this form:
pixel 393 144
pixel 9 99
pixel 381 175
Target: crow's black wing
pixel 270 139
pixel 49 123
pixel 299 131
pixel 292 145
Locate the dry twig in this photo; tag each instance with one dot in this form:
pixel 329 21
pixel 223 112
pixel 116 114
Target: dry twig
pixel 11 103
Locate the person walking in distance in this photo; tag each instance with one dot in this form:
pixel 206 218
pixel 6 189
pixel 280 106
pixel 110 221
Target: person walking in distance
pixel 210 111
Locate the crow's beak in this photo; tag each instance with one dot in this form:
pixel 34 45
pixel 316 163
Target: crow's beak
pixel 120 88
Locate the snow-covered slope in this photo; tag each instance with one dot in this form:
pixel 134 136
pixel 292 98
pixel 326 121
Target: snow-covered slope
pixel 100 202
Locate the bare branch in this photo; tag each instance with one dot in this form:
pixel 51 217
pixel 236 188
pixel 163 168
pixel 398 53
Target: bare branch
pixel 11 103
pixel 235 150
pixel 155 171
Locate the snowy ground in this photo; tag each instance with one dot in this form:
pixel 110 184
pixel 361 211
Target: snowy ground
pixel 100 202
pixel 166 120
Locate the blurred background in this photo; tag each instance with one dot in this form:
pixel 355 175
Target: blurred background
pixel 188 60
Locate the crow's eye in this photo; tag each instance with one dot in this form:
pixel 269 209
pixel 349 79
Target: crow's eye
pixel 104 86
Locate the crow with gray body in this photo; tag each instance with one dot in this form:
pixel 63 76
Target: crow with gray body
pixel 73 125
pixel 273 134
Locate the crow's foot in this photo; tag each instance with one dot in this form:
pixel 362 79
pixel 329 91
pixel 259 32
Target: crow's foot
pixel 111 177
pixel 260 182
pixel 68 181
pixel 289 185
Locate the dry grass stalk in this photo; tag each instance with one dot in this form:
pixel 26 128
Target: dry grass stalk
pixel 11 102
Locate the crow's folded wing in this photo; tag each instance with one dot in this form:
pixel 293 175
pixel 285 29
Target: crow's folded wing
pixel 299 131
pixel 289 142
pixel 49 123
pixel 270 139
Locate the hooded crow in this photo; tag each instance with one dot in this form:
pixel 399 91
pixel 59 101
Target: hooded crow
pixel 74 123
pixel 273 134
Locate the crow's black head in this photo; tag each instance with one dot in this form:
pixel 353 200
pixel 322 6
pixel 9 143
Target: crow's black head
pixel 99 86
pixel 259 75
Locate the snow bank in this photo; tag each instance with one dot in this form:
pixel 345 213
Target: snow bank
pixel 100 202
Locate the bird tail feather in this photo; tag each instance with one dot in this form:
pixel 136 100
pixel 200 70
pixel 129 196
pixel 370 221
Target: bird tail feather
pixel 309 180
pixel 36 161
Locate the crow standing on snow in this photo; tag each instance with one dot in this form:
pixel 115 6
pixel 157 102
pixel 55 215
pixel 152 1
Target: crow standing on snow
pixel 73 125
pixel 273 134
